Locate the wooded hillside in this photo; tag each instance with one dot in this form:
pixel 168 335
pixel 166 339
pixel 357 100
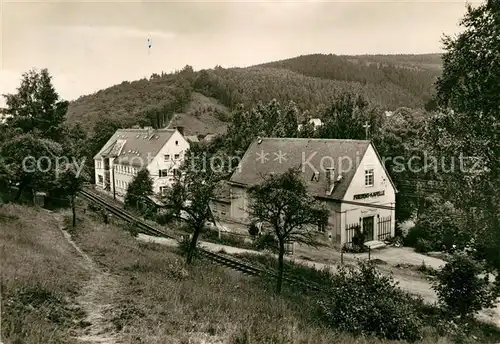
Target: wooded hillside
pixel 387 81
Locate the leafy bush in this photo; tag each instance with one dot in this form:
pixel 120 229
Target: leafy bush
pixel 132 229
pixel 266 241
pixel 439 229
pixel 396 241
pixel 460 289
pixel 413 235
pixel 221 116
pixel 162 218
pixel 427 270
pixel 253 230
pixel 423 245
pixel 358 240
pixel 364 302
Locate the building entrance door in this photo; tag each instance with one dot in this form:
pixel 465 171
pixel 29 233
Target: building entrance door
pixel 368 227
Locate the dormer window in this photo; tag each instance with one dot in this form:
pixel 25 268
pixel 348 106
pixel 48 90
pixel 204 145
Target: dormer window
pixel 369 177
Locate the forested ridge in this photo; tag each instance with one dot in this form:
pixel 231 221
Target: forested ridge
pixel 312 81
pixel 415 74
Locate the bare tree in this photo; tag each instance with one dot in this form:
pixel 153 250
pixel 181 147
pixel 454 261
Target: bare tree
pixel 196 184
pixel 282 202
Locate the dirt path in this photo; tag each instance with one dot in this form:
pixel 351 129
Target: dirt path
pixel 94 300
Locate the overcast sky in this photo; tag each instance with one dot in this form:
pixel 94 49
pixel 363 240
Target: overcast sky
pixel 93 45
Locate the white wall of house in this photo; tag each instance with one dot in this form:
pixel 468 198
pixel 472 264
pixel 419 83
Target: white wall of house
pixel 124 174
pixel 239 203
pixel 334 226
pixel 99 172
pixel 352 213
pixel 170 157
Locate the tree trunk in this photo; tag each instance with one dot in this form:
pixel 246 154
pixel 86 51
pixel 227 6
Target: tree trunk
pixel 280 266
pixel 192 245
pixel 73 210
pixel 420 207
pixel 19 192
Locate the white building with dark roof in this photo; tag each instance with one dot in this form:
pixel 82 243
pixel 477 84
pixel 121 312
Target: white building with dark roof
pixel 348 175
pixel 129 150
pixel 316 122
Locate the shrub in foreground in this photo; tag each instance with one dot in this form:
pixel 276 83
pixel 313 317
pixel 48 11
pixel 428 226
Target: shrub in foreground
pixel 460 290
pixel 364 302
pixel 267 241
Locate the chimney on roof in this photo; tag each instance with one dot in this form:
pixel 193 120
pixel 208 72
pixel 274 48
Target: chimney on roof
pixel 330 181
pixel 180 130
pixel 149 130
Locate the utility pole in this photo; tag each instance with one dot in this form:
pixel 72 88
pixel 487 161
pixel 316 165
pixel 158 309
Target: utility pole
pixel 114 188
pixel 366 126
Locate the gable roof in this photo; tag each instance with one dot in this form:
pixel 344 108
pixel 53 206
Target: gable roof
pixel 209 137
pixel 135 146
pixel 316 122
pixel 309 155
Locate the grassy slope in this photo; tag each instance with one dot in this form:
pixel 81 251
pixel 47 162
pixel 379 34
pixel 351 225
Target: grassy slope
pixel 162 302
pixel 158 299
pixel 41 275
pixel 198 116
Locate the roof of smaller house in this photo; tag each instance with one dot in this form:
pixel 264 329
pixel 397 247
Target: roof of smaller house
pixel 316 121
pixel 135 147
pixel 154 199
pixel 277 155
pixel 209 137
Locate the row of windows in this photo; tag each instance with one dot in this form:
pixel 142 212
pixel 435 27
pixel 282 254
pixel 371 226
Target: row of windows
pixel 126 169
pixel 120 168
pixel 165 173
pixel 369 177
pixel 121 184
pixel 219 208
pixel 167 157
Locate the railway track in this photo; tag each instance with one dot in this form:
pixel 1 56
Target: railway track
pixel 218 258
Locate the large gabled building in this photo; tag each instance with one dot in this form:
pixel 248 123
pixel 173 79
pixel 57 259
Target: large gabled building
pixel 129 150
pixel 347 175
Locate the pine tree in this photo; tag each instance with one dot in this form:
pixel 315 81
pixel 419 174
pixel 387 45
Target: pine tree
pixel 287 125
